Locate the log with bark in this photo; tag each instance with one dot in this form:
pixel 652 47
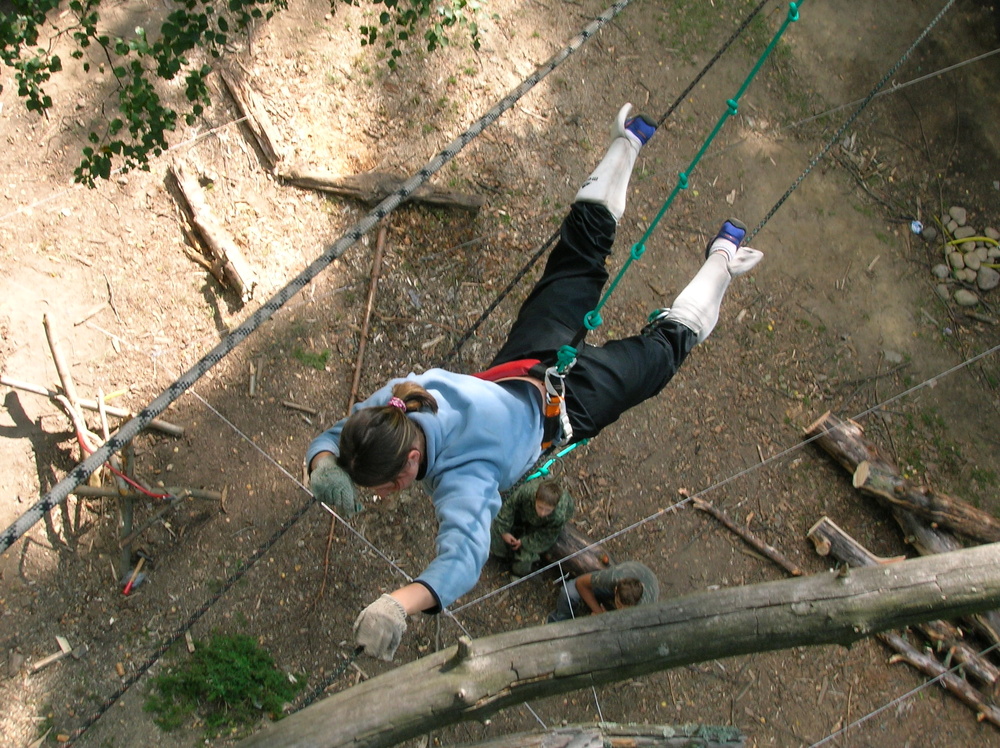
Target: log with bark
pixel 237 271
pixel 831 540
pixel 876 476
pixel 478 678
pixel 374 187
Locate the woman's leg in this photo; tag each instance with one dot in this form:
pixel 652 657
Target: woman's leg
pixel 576 270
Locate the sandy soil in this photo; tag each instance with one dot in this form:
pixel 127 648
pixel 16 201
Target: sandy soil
pixel 841 315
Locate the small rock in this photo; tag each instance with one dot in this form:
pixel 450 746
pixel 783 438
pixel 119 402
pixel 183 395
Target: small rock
pixel 940 271
pixel 992 253
pixel 969 275
pixel 968 247
pixel 943 292
pixel 14 662
pixel 987 279
pixel 992 233
pixel 964 297
pixel 929 233
pixel 982 253
pixel 956 260
pixel 952 226
pixel 958 214
pixel 893 357
pixel 964 232
pixel 972 261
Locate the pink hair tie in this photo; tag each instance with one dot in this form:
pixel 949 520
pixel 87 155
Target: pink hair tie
pixel 396 402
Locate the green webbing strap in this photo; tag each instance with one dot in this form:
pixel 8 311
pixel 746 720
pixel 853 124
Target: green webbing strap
pixel 592 320
pixel 545 468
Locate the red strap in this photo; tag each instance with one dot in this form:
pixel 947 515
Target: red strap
pixel 520 368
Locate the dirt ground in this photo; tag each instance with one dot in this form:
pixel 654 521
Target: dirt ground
pixel 840 316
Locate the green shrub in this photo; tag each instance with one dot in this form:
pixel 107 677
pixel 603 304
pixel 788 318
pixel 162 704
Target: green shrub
pixel 228 683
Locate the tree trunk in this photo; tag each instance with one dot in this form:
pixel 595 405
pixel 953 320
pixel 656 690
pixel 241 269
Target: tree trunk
pixel 477 678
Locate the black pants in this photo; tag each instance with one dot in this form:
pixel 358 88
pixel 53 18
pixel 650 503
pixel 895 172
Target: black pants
pixel 606 380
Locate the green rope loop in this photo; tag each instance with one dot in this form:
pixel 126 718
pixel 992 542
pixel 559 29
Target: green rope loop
pixel 638 250
pixel 793 12
pixel 682 180
pixel 566 357
pixel 592 320
pixel 734 107
pixel 546 467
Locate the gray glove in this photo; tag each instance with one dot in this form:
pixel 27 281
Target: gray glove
pixel 380 627
pixel 330 484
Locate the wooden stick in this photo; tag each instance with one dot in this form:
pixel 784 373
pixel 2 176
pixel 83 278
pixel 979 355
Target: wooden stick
pixel 135 573
pixel 965 692
pixel 374 187
pixel 156 423
pixel 69 387
pixel 372 287
pixel 302 408
pixel 771 552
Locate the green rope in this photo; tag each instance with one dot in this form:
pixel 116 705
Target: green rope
pixel 592 320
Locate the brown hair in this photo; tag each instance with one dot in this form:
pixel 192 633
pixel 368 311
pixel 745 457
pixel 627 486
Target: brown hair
pixel 375 441
pixel 549 492
pixel 629 591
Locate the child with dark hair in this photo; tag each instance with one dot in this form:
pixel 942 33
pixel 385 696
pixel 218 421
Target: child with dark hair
pixel 529 523
pixel 469 438
pixel 618 586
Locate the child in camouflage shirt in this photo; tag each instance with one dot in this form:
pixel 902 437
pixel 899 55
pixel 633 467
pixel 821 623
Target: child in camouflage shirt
pixel 529 522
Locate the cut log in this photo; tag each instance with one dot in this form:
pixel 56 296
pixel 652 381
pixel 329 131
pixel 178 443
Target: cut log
pixel 611 735
pixel 478 678
pixel 257 119
pixel 876 480
pixel 830 539
pixel 878 477
pixel 578 553
pixel 237 271
pixel 374 187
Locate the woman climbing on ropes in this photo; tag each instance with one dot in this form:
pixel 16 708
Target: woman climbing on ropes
pixel 469 437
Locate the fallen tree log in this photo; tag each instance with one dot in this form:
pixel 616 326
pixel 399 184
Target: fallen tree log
pixel 374 187
pixel 236 270
pixel 611 735
pixel 477 678
pixel 257 119
pixel 878 477
pixel 831 540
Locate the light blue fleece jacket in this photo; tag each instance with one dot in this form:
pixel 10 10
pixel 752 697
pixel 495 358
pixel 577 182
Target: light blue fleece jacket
pixel 480 442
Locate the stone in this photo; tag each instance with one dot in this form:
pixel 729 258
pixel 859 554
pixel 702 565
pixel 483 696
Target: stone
pixel 964 297
pixel 943 292
pixel 963 232
pixel 993 252
pixel 951 226
pixel 969 275
pixel 940 271
pixel 967 247
pixel 982 253
pixel 956 260
pixel 987 279
pixel 958 214
pixel 991 232
pixel 929 233
pixel 972 261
